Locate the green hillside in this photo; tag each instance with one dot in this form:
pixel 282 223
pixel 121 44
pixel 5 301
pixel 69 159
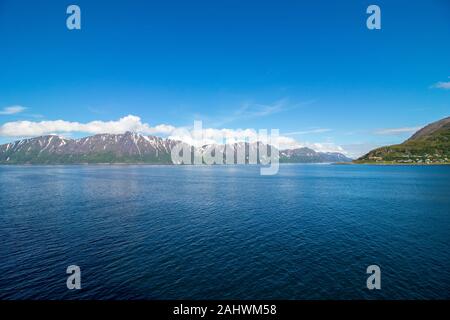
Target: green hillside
pixel 430 145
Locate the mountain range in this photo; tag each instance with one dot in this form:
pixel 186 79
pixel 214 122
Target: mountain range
pixel 429 145
pixel 129 148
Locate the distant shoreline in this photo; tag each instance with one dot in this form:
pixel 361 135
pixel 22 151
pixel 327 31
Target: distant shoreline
pixel 396 164
pixel 214 165
pixel 155 164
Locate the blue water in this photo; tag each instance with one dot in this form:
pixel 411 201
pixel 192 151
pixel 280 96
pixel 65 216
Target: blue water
pixel 225 232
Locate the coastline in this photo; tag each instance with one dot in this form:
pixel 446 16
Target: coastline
pixel 392 163
pixel 171 164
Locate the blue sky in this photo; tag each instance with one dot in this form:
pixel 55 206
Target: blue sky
pixel 310 68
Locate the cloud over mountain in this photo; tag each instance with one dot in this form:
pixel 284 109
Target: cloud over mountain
pixel 128 123
pixel 134 123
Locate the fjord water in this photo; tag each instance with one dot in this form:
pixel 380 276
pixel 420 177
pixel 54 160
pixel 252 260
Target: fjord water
pixel 225 232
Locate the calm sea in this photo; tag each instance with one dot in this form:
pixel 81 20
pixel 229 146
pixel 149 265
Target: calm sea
pixel 224 232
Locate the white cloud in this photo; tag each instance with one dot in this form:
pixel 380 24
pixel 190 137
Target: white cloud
pixel 128 123
pixel 397 131
pixel 220 136
pixel 326 147
pixel 442 85
pixel 12 110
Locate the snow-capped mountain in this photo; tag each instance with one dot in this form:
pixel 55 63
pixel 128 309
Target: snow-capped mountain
pixel 133 148
pixel 100 148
